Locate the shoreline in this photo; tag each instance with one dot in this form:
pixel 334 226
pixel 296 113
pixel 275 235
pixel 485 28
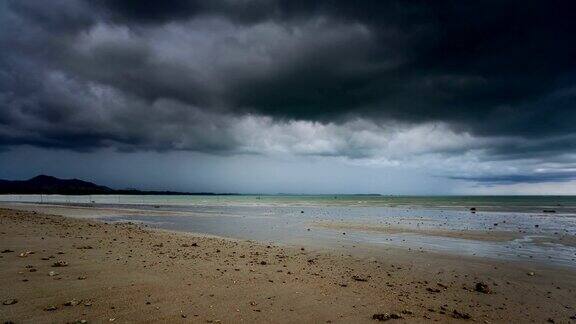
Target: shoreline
pixel 491 209
pixel 399 233
pixel 127 273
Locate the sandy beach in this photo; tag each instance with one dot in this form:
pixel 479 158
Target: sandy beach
pixel 59 269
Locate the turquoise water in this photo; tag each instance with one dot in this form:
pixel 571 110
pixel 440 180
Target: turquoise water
pixel 561 204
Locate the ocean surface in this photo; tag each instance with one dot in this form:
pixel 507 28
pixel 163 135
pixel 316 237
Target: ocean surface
pixel 538 229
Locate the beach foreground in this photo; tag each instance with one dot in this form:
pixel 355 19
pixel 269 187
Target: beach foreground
pixel 59 269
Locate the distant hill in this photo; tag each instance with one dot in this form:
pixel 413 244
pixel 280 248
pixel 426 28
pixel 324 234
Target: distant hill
pixel 44 184
pixel 51 185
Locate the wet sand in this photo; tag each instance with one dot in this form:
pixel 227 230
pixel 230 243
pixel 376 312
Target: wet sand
pixel 88 211
pixel 494 236
pixel 486 235
pixel 59 269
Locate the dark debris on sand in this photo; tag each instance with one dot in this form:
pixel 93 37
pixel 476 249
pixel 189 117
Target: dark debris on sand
pixel 385 316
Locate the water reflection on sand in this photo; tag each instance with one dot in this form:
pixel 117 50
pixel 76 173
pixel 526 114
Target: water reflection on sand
pixel 512 228
pixel 503 235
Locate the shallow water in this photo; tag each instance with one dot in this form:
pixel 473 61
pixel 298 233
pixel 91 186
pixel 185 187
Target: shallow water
pixel 290 226
pixel 534 236
pixel 561 204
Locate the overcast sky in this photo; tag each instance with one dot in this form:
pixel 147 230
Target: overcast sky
pixel 268 96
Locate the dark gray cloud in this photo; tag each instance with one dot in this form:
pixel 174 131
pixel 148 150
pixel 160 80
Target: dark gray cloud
pixel 204 75
pixel 467 63
pixel 154 12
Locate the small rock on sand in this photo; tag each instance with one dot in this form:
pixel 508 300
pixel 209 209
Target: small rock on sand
pixel 460 315
pixel 60 263
pixel 50 308
pixel 385 316
pixel 10 301
pixel 358 278
pixel 72 302
pixel 482 287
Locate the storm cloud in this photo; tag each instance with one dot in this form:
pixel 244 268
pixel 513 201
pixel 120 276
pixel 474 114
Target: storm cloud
pixel 488 85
